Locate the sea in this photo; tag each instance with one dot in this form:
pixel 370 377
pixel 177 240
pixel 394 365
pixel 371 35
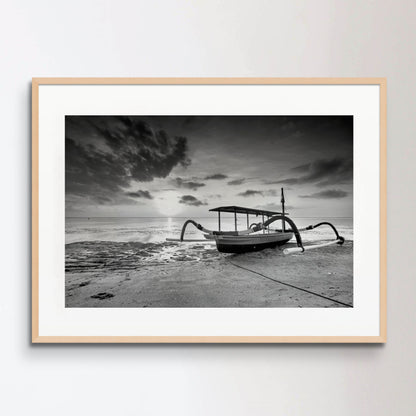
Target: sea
pixel 93 244
pixel 157 229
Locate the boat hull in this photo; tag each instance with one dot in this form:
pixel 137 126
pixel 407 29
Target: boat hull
pixel 249 243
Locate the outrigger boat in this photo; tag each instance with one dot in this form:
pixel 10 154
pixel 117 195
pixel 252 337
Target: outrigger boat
pixel 257 236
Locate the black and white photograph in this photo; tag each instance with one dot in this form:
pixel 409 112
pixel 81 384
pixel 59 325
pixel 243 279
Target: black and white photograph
pixel 209 211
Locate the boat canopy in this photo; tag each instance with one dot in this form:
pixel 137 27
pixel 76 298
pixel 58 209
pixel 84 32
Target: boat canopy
pixel 243 210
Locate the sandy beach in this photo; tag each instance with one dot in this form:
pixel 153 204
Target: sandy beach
pixel 112 274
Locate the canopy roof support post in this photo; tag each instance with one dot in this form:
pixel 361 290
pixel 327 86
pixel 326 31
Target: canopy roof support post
pixel 248 223
pixel 219 221
pixel 235 220
pixel 262 220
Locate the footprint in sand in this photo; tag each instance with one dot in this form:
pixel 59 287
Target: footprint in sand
pixel 102 295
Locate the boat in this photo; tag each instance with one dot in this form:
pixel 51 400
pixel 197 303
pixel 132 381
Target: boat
pixel 255 242
pixel 258 235
pixel 254 238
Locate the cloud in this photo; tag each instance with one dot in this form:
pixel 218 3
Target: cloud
pixel 140 194
pixel 329 194
pixel 187 184
pixel 266 192
pixel 277 182
pixel 290 181
pixel 250 192
pixel 236 181
pixel 216 176
pixel 191 200
pixel 301 168
pixel 274 207
pixel 104 154
pixel 323 172
pixel 103 199
pixel 272 192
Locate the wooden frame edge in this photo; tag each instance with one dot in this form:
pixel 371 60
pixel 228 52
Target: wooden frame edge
pixel 207 81
pixel 209 339
pixel 381 338
pixel 383 210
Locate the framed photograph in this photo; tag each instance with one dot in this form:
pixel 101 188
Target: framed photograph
pixel 216 210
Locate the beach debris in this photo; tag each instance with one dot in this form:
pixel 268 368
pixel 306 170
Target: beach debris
pixel 102 295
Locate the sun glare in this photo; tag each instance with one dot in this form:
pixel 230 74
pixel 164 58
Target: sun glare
pixel 167 203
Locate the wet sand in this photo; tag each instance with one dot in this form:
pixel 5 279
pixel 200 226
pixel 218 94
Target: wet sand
pixel 167 275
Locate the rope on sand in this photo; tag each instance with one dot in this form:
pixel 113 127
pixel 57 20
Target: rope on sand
pixel 292 286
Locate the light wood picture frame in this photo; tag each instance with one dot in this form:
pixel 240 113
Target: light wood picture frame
pixel 54 320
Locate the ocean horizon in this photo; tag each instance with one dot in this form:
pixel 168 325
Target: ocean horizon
pixel 157 229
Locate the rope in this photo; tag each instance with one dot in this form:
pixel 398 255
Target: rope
pixel 292 286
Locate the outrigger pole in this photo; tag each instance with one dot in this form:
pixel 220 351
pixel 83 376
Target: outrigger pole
pixel 242 241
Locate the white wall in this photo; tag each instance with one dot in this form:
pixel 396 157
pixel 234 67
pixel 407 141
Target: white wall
pixel 206 38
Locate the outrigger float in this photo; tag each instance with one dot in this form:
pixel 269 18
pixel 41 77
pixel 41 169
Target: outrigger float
pixel 257 236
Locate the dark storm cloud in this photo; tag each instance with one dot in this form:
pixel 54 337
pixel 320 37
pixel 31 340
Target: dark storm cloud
pixel 250 192
pixel 140 194
pixel 236 181
pixel 323 172
pixel 146 154
pixel 329 194
pixel 216 176
pixel 191 200
pixel 104 154
pixel 187 184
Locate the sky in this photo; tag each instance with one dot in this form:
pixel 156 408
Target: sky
pixel 182 166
